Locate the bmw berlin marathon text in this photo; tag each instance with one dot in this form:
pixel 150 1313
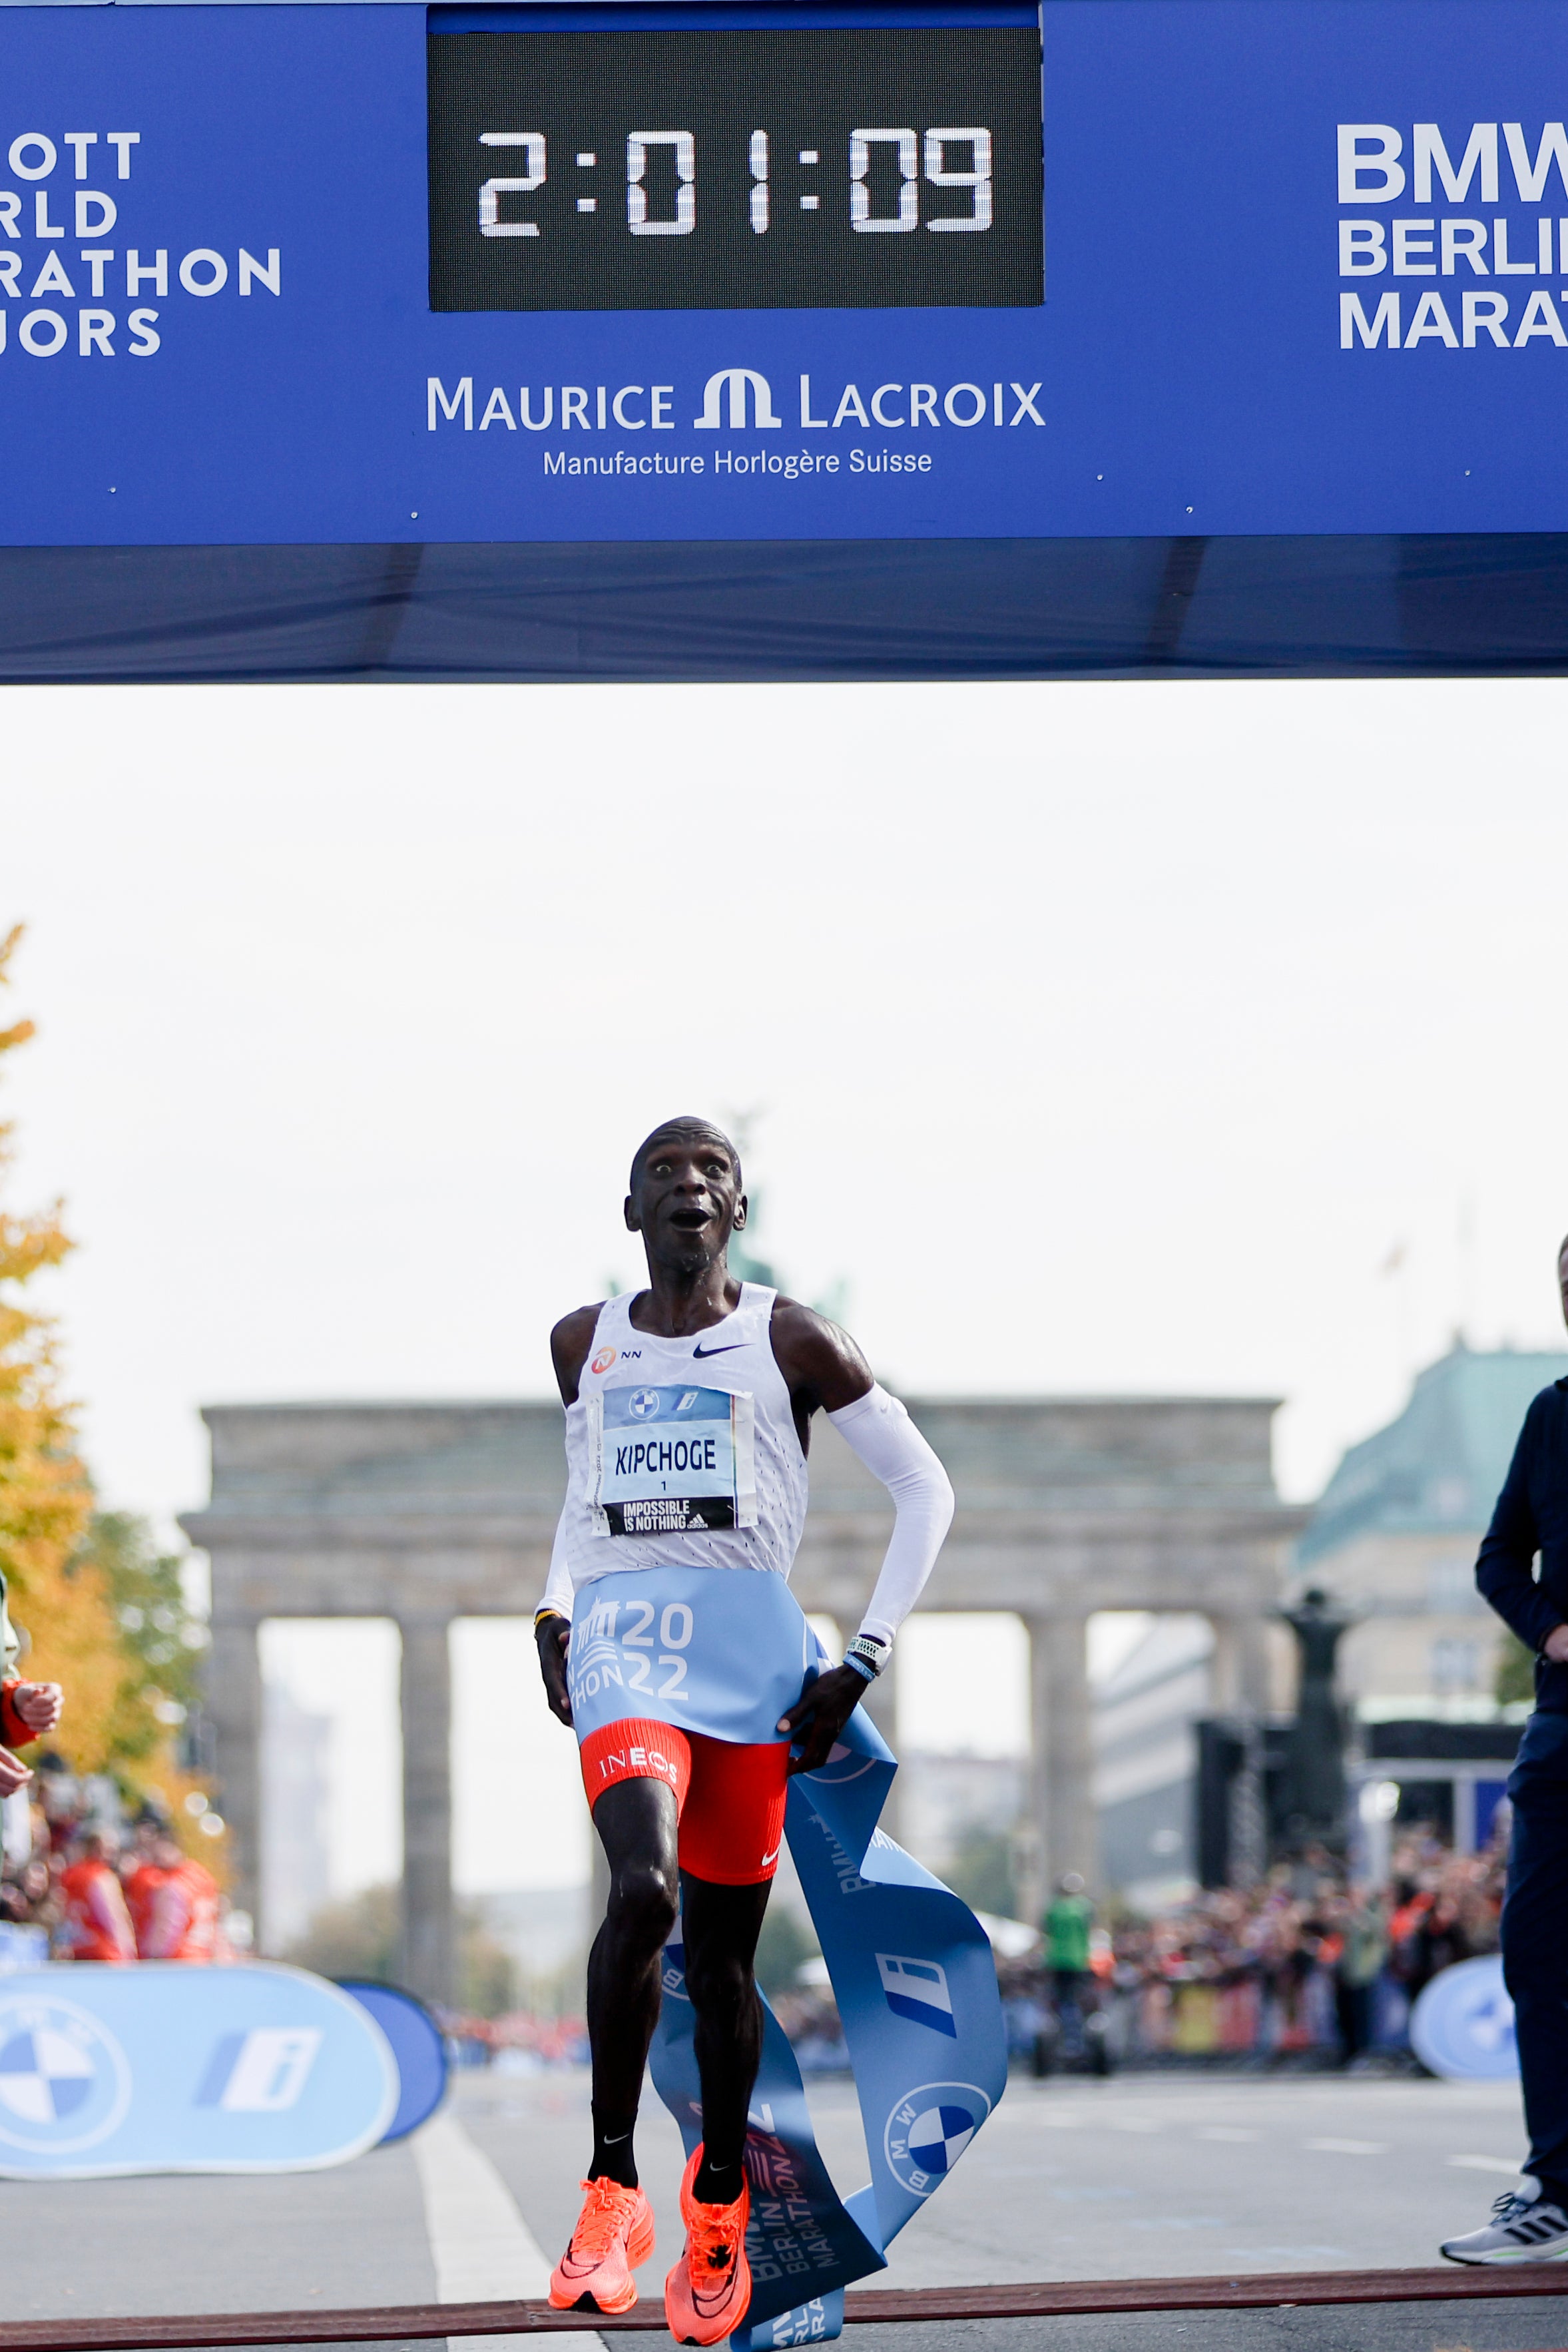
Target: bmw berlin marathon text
pixel 1481 208
pixel 736 400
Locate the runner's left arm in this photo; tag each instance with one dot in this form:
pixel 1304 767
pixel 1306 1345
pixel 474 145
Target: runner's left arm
pixel 878 1432
pixel 827 1369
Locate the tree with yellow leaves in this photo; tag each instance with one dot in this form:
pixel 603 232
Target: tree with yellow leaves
pixel 102 1610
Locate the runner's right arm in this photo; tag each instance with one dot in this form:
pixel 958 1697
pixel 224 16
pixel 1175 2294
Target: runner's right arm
pixel 569 1345
pixel 552 1628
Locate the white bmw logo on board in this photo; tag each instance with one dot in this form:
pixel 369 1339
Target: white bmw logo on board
pixel 64 2080
pixel 644 1404
pixel 928 2131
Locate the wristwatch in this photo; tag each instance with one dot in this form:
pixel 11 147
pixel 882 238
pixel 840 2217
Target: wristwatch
pixel 867 1656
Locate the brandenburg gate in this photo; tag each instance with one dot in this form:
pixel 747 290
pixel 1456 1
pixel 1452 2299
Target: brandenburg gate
pixel 424 1513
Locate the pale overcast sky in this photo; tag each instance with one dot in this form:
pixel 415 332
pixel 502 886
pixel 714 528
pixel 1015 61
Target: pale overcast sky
pixel 1097 1037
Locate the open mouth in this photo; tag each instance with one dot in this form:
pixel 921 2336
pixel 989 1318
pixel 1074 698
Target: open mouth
pixel 689 1220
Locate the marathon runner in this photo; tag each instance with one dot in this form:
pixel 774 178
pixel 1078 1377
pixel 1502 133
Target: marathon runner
pixel 687 1822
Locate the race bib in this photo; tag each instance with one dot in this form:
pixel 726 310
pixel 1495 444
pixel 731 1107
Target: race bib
pixel 668 1460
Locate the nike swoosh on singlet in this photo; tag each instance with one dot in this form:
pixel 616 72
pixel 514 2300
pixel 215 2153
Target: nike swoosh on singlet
pixel 728 1349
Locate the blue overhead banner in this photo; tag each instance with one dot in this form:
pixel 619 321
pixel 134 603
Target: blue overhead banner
pixel 379 274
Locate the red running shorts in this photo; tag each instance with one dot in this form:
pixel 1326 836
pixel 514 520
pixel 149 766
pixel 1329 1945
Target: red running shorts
pixel 729 1798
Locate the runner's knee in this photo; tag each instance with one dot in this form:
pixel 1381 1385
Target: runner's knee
pixel 719 1984
pixel 644 1900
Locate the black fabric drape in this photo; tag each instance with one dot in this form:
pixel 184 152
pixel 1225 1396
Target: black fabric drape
pixel 880 609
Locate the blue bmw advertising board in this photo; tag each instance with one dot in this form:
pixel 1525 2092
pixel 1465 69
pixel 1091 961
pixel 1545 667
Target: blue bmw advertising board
pixel 164 2068
pixel 639 272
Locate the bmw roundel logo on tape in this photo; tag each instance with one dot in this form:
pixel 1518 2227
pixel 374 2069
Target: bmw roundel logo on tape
pixel 64 2082
pixel 644 1404
pixel 928 2131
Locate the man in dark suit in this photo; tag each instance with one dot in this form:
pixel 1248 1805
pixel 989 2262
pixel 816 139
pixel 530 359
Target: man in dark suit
pixel 1530 2223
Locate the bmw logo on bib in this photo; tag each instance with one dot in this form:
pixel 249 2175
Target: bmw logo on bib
pixel 64 2082
pixel 928 2131
pixel 644 1404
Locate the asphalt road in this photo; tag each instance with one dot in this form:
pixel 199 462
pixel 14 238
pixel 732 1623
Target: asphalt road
pixel 1150 2175
pixel 1142 2176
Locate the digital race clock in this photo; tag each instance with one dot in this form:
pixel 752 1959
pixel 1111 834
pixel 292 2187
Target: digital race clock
pixel 831 168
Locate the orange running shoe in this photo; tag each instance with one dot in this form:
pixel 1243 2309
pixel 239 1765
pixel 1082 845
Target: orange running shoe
pixel 707 2292
pixel 613 2234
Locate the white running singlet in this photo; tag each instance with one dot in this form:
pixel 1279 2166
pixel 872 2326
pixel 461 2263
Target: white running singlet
pixel 680 1453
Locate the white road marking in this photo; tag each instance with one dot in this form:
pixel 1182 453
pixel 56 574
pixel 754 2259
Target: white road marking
pixel 1486 2164
pixel 1349 2146
pixel 483 2249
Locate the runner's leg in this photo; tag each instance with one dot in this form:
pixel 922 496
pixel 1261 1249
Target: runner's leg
pixel 637 1826
pixel 719 1927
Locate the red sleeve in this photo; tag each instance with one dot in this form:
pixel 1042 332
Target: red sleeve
pixel 13 1732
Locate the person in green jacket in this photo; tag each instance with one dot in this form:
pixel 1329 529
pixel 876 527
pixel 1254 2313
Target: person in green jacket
pixel 1067 1924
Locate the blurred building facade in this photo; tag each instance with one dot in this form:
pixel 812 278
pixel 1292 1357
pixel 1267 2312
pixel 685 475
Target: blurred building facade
pixel 295 1857
pixel 1395 1535
pixel 1397 1531
pixel 1145 1758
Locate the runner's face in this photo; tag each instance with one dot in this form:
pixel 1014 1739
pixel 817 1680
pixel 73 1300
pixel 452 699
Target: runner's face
pixel 686 1202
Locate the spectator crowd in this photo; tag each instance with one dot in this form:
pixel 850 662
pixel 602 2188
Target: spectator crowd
pixel 1305 1966
pixel 89 1884
pixel 77 1881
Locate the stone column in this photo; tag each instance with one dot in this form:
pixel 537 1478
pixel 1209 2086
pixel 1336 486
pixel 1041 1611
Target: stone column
pixel 1238 1671
pixel 1060 1831
pixel 233 1695
pixel 427 1956
pixel 1239 1688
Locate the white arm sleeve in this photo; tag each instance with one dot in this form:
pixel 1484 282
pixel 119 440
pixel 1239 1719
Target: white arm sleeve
pixel 879 1433
pixel 558 1592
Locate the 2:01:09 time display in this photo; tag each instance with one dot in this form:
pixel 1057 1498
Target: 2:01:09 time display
pixel 683 147
pixel 831 169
